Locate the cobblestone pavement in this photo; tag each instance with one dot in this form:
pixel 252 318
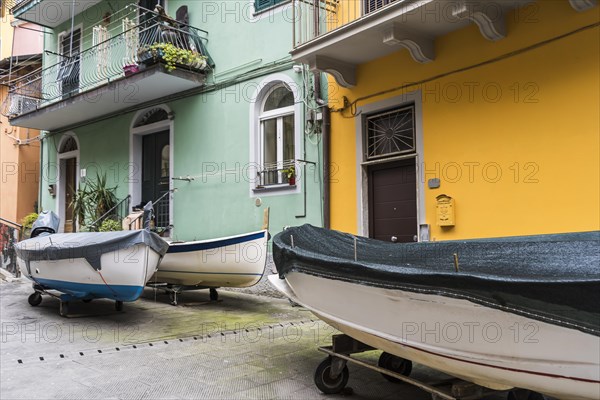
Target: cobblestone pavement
pixel 242 347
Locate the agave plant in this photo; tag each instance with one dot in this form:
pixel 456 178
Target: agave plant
pixel 93 201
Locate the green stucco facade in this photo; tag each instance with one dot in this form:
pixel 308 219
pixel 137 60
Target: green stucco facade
pixel 213 133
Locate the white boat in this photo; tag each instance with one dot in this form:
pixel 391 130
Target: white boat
pixel 90 265
pixel 530 322
pixel 234 261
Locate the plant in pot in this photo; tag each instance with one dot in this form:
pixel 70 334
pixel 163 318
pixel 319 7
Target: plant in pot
pixel 93 201
pixel 290 174
pixel 173 56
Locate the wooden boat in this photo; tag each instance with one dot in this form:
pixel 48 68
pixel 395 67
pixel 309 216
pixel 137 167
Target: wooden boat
pixel 234 261
pixel 89 265
pixel 518 312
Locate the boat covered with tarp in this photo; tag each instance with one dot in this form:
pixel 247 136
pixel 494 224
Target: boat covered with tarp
pixel 503 312
pixel 88 265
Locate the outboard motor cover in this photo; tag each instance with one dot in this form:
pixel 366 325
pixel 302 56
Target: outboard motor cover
pixel 47 223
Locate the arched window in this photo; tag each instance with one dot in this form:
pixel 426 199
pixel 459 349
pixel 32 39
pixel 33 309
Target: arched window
pixel 277 135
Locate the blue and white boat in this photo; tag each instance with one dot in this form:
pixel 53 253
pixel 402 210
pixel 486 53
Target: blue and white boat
pixel 234 261
pixel 89 265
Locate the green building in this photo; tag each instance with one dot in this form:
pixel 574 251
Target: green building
pixel 198 99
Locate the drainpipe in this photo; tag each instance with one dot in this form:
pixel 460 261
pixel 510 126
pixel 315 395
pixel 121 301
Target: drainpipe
pixel 325 132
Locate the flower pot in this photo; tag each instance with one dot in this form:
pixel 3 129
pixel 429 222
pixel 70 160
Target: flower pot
pixel 130 69
pixel 292 180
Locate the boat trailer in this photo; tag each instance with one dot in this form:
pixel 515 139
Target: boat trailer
pixel 35 299
pixel 174 291
pixel 331 376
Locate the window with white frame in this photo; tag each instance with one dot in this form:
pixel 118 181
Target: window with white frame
pixel 277 137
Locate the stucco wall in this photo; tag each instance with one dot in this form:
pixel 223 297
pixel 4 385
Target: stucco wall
pixel 514 142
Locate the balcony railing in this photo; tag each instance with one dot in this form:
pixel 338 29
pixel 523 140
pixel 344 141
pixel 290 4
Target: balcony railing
pixel 138 38
pixel 315 18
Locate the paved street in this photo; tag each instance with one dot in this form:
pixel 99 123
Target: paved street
pixel 242 347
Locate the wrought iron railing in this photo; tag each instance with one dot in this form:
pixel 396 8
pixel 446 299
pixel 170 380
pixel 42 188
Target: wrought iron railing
pixel 138 37
pixel 14 4
pixel 314 18
pixel 117 214
pixel 161 214
pixel 10 234
pixel 277 174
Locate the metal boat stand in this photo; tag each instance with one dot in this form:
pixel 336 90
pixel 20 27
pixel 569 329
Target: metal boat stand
pixel 331 376
pixel 174 291
pixel 35 299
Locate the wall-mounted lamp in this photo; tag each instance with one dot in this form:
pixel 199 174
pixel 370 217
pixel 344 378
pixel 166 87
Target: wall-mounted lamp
pixel 52 190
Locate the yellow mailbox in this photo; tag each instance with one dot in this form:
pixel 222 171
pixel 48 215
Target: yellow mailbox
pixel 445 210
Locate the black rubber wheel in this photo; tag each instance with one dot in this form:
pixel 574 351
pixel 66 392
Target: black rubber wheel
pixel 325 383
pixel 214 295
pixel 87 300
pixel 119 305
pixel 35 299
pixel 64 308
pixel 395 364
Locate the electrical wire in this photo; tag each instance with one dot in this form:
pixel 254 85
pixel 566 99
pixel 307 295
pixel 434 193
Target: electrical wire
pixel 353 104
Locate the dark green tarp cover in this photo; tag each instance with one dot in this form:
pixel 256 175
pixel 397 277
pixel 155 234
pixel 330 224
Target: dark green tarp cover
pixel 550 278
pixel 88 245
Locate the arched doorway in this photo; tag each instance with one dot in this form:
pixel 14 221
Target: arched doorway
pixel 151 160
pixel 68 161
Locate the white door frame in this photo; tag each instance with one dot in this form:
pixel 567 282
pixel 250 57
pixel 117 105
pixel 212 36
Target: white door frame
pixel 362 176
pixel 61 186
pixel 135 156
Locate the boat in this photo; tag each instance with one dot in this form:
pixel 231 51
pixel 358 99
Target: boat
pixel 514 312
pixel 88 265
pixel 235 261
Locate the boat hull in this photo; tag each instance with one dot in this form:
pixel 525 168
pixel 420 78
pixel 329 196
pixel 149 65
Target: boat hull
pixel 487 346
pixel 236 261
pixel 122 277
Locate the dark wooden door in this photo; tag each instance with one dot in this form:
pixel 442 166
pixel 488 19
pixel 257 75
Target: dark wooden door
pixel 393 201
pixel 70 187
pixel 156 174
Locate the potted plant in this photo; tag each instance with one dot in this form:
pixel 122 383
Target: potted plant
pixel 130 69
pixel 172 56
pixel 290 173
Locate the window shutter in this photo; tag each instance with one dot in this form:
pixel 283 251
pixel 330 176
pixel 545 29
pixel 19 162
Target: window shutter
pixel 260 5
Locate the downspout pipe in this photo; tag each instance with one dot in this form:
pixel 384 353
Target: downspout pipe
pixel 325 132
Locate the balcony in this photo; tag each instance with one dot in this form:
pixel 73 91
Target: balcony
pixel 138 58
pixel 48 13
pixel 336 36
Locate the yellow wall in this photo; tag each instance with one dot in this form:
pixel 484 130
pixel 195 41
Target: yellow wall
pixel 544 124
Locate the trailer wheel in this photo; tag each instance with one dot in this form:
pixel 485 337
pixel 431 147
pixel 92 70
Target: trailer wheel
pixel 119 305
pixel 214 295
pixel 325 382
pixel 35 299
pixel 64 308
pixel 395 364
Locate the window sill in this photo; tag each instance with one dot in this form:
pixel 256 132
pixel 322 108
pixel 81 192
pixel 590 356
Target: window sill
pixel 274 188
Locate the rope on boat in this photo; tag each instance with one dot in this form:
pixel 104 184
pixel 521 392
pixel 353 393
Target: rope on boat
pixel 107 285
